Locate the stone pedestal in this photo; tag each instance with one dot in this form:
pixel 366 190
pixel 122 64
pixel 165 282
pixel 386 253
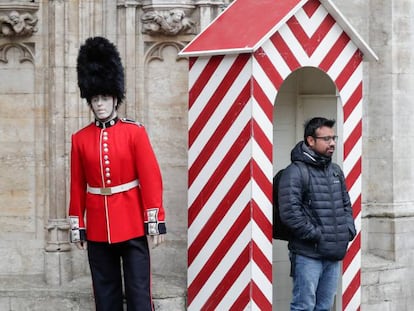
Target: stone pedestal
pixel 58 265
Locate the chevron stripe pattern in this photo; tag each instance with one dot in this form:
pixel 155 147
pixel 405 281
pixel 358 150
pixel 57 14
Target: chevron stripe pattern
pixel 230 159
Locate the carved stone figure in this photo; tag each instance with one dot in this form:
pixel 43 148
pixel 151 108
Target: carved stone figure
pixel 16 24
pixel 169 23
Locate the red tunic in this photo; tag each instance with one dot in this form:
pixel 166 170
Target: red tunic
pixel 108 155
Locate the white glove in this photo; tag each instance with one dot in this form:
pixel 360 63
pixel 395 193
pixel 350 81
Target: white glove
pixel 156 240
pixel 81 245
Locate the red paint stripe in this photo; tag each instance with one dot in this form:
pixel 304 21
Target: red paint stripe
pixel 268 68
pixel 334 52
pixel 310 7
pixel 352 139
pixel 349 69
pixel 221 130
pixel 285 51
pixel 262 262
pixel 191 62
pixel 262 140
pixel 242 301
pixel 219 253
pixel 354 174
pixel 228 280
pixel 263 100
pixel 351 290
pixel 220 212
pixel 204 77
pixel 310 44
pixel 261 220
pixel 260 299
pixel 262 180
pixel 357 207
pixel 218 174
pixel 353 101
pixel 217 97
pixel 352 252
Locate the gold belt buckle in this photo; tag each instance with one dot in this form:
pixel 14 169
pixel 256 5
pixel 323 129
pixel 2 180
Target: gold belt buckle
pixel 105 191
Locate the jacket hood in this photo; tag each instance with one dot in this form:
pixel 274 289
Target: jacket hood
pixel 303 153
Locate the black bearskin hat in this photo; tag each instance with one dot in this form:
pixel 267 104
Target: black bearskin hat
pixel 100 70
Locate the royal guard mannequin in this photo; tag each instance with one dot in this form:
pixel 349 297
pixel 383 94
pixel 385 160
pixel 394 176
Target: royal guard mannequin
pixel 116 186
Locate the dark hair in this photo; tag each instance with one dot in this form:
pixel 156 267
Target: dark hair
pixel 313 124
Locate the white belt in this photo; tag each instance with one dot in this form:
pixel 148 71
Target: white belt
pixel 113 190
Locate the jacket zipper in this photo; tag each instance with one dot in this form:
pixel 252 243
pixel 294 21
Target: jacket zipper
pixel 332 201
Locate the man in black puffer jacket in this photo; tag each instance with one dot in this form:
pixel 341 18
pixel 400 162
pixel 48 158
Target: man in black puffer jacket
pixel 320 216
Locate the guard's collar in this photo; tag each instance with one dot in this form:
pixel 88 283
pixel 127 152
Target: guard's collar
pixel 106 124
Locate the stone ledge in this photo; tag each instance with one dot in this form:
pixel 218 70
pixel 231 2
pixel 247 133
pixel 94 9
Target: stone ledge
pixel 373 262
pixel 18 292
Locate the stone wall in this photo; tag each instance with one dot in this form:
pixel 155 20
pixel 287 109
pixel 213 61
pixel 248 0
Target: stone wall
pixel 40 108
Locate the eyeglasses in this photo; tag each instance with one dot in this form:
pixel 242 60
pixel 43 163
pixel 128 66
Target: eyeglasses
pixel 327 138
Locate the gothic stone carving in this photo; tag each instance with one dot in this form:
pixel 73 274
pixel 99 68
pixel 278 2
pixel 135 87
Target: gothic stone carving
pixel 26 52
pixel 17 24
pixel 168 23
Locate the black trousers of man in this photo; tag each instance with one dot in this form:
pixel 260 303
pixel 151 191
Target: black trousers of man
pixel 105 264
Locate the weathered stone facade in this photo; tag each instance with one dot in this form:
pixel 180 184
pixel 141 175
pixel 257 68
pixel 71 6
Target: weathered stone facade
pixel 40 107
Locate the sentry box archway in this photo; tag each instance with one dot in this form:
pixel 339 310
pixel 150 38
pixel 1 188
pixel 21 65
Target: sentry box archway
pixel 237 66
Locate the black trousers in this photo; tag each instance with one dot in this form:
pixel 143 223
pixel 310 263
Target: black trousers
pixel 105 263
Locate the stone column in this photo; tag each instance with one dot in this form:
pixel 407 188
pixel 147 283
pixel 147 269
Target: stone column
pixel 209 10
pixel 127 21
pixel 57 255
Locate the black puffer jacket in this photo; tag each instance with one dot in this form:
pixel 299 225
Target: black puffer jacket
pixel 323 224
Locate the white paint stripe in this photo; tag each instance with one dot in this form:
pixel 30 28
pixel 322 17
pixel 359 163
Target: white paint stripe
pixel 221 190
pixel 326 45
pixel 310 25
pixel 352 84
pixel 261 240
pixel 342 59
pixel 353 119
pixel 196 70
pixel 276 59
pixel 217 156
pixel 353 157
pixel 281 22
pixel 347 278
pixel 234 292
pixel 210 87
pixel 262 282
pixel 355 190
pixel 294 45
pixel 358 222
pixel 217 235
pixel 222 268
pixel 262 120
pixel 351 271
pixel 262 161
pixel 355 302
pixel 261 199
pixel 263 80
pixel 216 118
